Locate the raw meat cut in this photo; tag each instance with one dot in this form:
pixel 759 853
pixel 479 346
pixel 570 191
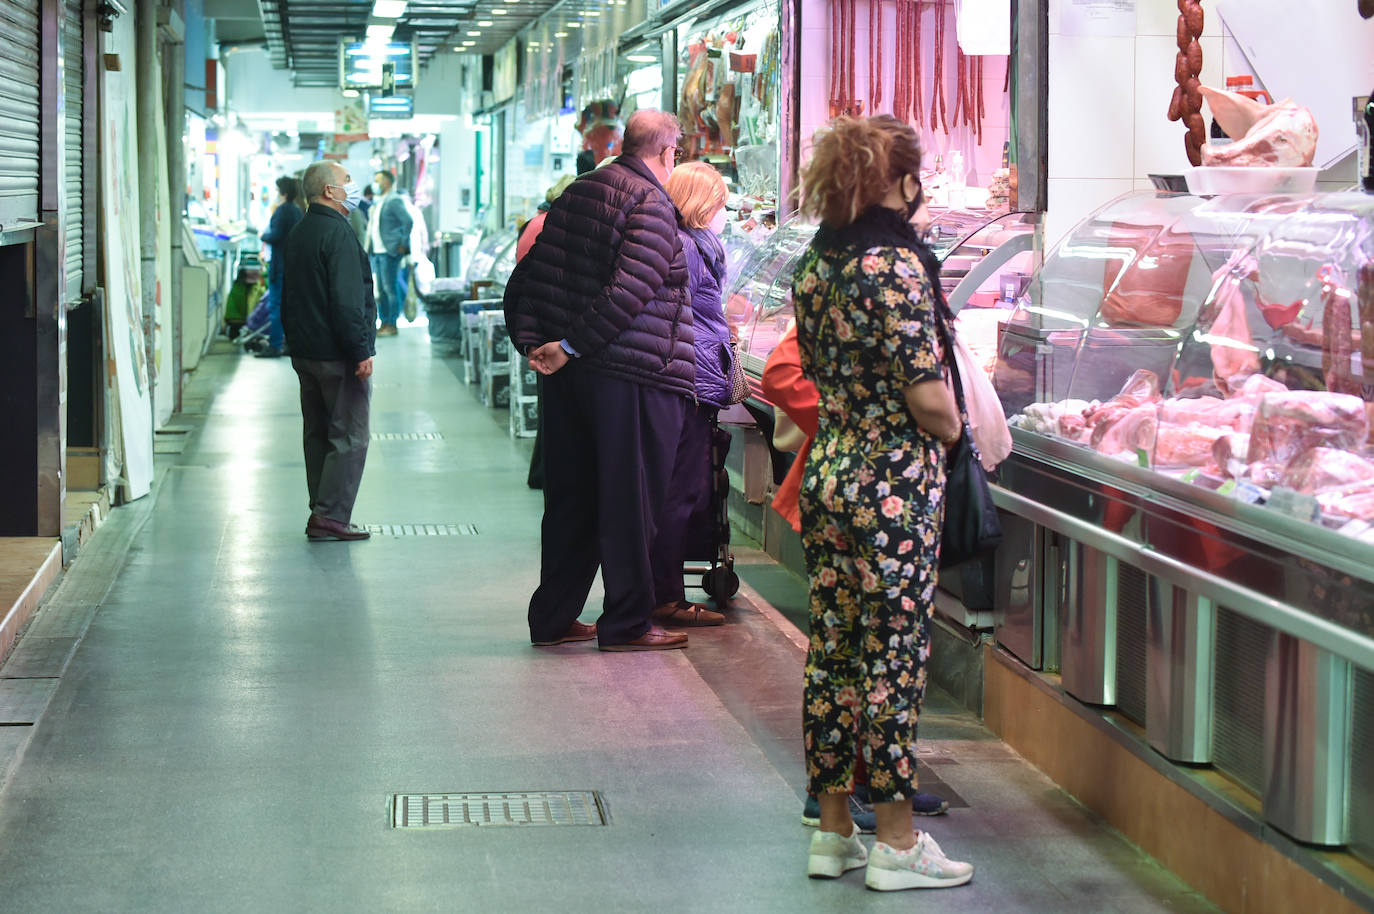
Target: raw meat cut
pixel 1289 423
pixel 1231 452
pixel 1185 445
pixel 1126 430
pixel 1349 501
pixel 1139 387
pixel 1233 350
pixel 1235 113
pixel 1286 136
pixel 1201 410
pixel 1146 297
pixel 1257 385
pixel 1323 468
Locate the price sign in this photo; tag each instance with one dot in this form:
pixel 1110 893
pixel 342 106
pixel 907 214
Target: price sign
pixel 1191 475
pixel 1227 487
pixel 1294 504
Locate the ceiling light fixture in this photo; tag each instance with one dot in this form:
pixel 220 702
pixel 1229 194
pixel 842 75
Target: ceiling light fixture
pixel 641 58
pixel 389 9
pixel 560 34
pixel 498 12
pixel 485 24
pixel 574 25
pixel 474 34
pixel 380 33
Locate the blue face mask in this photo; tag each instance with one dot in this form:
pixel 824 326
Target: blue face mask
pixel 353 195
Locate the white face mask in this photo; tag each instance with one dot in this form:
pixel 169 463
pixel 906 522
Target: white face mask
pixel 717 223
pixel 353 195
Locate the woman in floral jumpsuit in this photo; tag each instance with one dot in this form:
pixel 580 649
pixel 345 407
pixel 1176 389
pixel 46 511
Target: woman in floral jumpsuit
pixel 868 328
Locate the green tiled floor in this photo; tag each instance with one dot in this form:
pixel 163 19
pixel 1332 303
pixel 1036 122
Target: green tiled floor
pixel 227 734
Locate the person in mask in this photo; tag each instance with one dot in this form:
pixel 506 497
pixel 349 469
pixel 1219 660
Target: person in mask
pixel 286 212
pixel 330 317
pixel 389 225
pixel 698 191
pixel 868 315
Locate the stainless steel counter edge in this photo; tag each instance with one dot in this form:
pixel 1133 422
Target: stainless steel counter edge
pixel 1357 648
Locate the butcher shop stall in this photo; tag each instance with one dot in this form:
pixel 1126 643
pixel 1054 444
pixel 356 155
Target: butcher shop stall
pixel 1189 508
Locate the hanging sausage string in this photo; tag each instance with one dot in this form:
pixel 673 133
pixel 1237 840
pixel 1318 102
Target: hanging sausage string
pixel 907 103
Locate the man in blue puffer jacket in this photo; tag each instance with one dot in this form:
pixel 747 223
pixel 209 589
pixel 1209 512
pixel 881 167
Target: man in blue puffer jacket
pixel 599 305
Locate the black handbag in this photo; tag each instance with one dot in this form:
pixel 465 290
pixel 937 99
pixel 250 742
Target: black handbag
pixel 971 527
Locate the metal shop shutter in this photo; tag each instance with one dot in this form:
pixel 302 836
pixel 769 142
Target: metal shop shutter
pixel 18 110
pixel 73 60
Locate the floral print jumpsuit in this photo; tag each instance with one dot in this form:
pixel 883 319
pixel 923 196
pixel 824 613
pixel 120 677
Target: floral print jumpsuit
pixel 871 506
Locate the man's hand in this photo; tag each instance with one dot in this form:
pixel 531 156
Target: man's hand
pixel 548 358
pixel 364 370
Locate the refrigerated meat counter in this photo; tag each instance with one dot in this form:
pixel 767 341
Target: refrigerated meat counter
pixel 1189 506
pixel 987 259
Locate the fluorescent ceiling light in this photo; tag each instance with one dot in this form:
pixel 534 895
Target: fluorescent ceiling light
pixel 574 25
pixel 641 58
pixel 592 13
pixel 560 34
pixel 380 32
pixel 498 12
pixel 389 9
pixel 350 93
pixel 485 24
pixel 474 34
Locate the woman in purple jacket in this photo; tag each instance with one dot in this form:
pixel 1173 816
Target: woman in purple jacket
pixel 699 193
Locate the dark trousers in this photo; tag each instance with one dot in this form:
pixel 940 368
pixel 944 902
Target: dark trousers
pixel 688 493
pixel 609 450
pixel 334 407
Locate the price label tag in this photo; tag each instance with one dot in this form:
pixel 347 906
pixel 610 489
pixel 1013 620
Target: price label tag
pixel 1249 494
pixel 1227 487
pixel 1191 475
pixel 1142 457
pixel 1294 504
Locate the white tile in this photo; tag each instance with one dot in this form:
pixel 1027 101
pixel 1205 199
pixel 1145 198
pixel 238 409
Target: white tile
pixel 1091 105
pixel 1159 145
pixel 1074 199
pixel 1157 17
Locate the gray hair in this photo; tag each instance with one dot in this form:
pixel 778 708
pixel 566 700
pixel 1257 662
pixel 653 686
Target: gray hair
pixel 649 131
pixel 318 176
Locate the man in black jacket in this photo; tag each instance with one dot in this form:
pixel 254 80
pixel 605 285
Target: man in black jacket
pixel 600 307
pixel 330 319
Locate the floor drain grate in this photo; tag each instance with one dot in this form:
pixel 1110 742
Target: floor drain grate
pixel 407 436
pixel 422 529
pixel 467 810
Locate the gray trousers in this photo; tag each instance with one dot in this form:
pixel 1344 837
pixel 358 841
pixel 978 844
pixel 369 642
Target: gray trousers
pixel 334 407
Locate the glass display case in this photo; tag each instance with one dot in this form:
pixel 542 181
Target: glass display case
pixel 987 260
pixel 494 258
pixel 1225 345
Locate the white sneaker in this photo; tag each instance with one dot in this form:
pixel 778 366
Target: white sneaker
pixel 834 855
pixel 924 866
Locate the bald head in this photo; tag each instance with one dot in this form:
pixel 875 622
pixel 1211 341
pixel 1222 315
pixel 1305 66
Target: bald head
pixel 649 131
pixel 319 176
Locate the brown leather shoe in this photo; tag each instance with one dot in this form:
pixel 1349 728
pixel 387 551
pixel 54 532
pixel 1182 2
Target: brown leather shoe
pixel 655 639
pixel 578 632
pixel 687 614
pixel 321 529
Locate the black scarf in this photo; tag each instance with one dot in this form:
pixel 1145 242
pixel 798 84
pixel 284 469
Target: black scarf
pixel 881 227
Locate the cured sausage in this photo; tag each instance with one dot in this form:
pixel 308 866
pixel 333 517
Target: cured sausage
pixel 1186 103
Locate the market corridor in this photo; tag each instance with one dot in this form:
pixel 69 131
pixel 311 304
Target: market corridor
pixel 222 711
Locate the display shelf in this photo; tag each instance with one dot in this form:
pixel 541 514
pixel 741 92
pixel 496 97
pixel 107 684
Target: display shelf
pixel 1218 342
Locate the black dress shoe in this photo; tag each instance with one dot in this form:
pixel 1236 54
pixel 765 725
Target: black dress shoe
pixel 655 639
pixel 321 529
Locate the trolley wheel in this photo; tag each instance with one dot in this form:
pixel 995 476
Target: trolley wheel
pixel 720 583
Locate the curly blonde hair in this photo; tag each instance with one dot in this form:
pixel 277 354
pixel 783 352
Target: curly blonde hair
pixel 699 192
pixel 854 161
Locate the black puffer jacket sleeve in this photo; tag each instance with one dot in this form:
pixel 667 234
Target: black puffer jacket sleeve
pixel 638 273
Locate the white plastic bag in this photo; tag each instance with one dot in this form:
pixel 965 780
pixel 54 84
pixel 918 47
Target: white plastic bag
pixel 985 417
